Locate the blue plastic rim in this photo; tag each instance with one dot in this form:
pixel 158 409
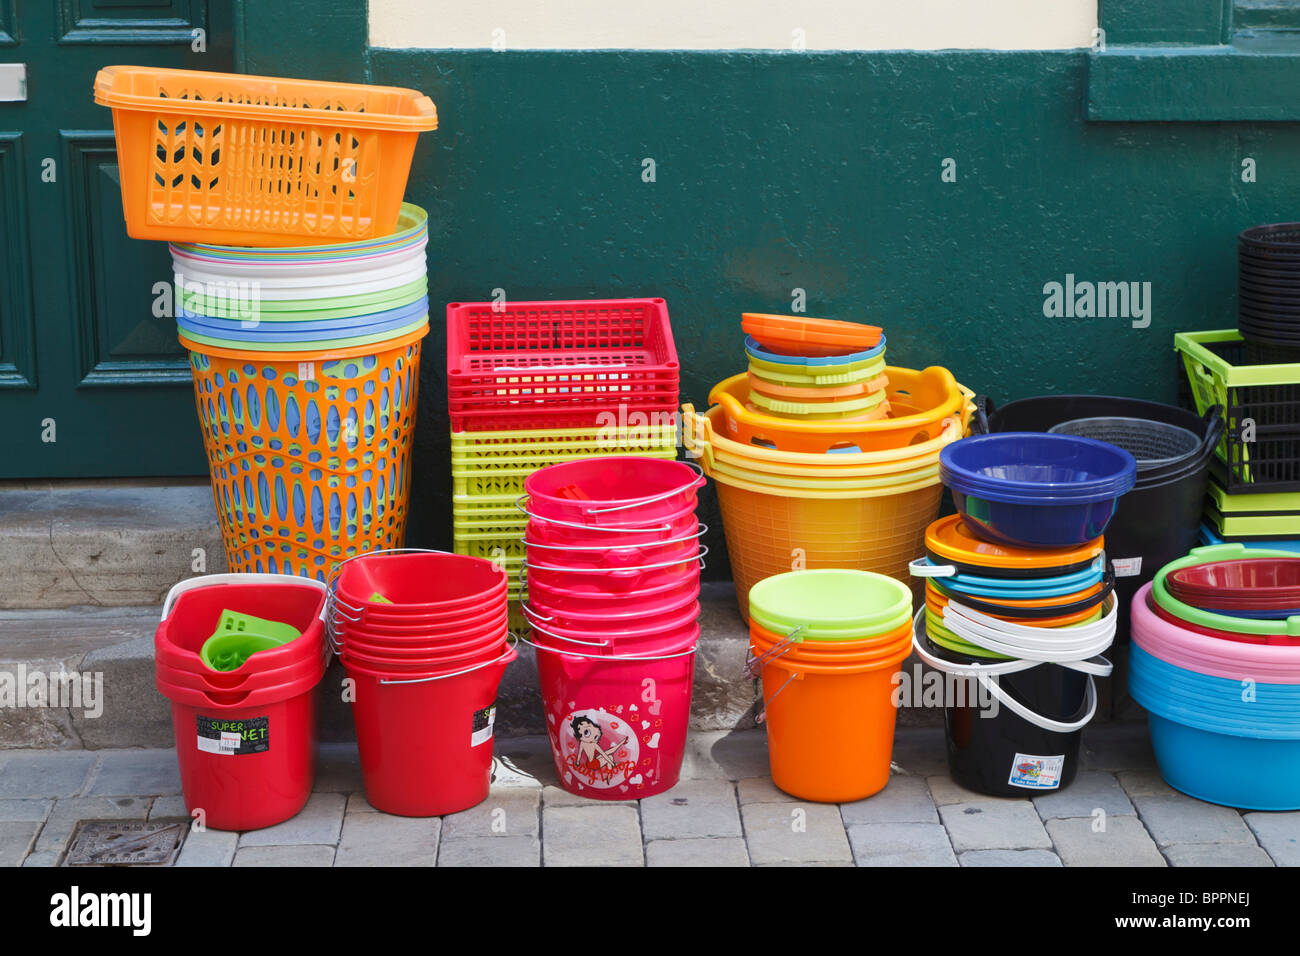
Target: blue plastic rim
pixel 1255 615
pixel 1210 536
pixel 1022 588
pixel 1213 704
pixel 1037 468
pixel 1050 525
pixel 257 331
pixel 757 351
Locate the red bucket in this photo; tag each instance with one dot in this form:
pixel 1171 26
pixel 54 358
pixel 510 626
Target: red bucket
pixel 616 555
pixel 631 610
pixel 245 739
pixel 426 739
pixel 430 583
pixel 612 491
pixel 626 581
pixel 379 656
pixel 618 725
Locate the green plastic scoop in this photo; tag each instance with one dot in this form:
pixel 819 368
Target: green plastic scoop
pixel 239 636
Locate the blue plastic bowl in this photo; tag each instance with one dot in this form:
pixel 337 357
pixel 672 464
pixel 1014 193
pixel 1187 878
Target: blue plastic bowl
pixel 1256 615
pixel 1212 745
pixel 756 350
pixel 1034 489
pixel 1248 773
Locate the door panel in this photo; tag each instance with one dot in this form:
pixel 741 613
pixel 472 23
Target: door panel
pixel 119 338
pixel 92 382
pixel 17 355
pixel 130 21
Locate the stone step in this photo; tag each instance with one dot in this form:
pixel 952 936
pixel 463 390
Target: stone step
pixel 114 648
pixel 108 543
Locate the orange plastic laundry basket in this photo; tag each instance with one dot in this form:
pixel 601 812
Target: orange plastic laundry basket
pixel 257 160
pixel 309 453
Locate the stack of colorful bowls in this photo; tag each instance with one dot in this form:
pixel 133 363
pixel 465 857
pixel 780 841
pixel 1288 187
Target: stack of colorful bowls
pixel 812 493
pixel 261 711
pixel 1018 596
pixel 613 574
pixel 815 369
pixel 1216 663
pixel 423 635
pixel 312 297
pixel 827 644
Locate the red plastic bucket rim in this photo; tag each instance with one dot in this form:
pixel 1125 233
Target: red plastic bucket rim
pixel 545 504
pixel 475 625
pixel 383 677
pixel 492 576
pixel 676 648
pixel 366 649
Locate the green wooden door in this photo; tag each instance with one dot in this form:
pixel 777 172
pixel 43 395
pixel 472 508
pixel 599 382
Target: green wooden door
pixel 92 380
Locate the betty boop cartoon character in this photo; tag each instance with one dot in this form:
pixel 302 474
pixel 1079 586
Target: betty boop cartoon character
pixel 590 755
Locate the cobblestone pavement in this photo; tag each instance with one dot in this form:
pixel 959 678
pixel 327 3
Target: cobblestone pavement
pixel 724 812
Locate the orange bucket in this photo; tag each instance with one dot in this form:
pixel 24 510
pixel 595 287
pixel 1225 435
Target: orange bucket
pixel 830 726
pixel 309 453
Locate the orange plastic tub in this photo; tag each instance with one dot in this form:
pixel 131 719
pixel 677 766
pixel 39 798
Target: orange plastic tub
pixel 769 533
pixel 919 403
pixel 802 335
pixel 260 161
pixel 830 726
pixel 829 393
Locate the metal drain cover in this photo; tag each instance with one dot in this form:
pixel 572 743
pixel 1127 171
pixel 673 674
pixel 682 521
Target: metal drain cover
pixel 124 843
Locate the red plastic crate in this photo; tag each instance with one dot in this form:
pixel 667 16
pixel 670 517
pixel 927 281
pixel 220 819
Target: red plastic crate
pixel 563 353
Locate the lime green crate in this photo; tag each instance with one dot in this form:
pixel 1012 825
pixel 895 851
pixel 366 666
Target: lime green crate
pixel 1256 505
pixel 1260 448
pixel 544 443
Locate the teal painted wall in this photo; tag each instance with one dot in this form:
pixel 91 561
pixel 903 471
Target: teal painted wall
pixel 822 172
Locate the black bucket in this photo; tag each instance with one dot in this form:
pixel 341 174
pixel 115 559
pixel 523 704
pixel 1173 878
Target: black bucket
pixel 1005 755
pixel 1160 519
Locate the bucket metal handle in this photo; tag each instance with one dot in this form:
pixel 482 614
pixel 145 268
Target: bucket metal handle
pixel 662 496
pixel 761 716
pixel 510 649
pixel 529 612
pixel 753 665
pixel 251 577
pixel 519 503
pixel 611 657
pixel 703 552
pixel 704 529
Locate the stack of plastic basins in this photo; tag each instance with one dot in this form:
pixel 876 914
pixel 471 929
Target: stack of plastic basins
pixel 827 494
pixel 1254 489
pixel 1018 601
pixel 827 644
pixel 1216 663
pixel 304 324
pixel 613 564
pixel 246 737
pixel 536 383
pixel 423 635
pixel 1158 520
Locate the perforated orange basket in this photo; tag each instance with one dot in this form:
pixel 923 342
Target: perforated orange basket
pixel 258 160
pixel 310 454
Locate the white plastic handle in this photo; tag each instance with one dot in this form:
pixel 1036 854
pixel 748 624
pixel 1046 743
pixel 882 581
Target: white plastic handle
pixel 1037 719
pixel 251 577
pixel 922 568
pixel 1047 644
pixel 1098 666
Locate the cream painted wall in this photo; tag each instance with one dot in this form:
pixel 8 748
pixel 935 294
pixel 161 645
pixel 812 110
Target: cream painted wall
pixel 733 24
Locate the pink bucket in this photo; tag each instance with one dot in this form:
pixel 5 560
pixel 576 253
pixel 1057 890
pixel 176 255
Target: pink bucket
pixel 618 726
pixel 1235 660
pixel 675 525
